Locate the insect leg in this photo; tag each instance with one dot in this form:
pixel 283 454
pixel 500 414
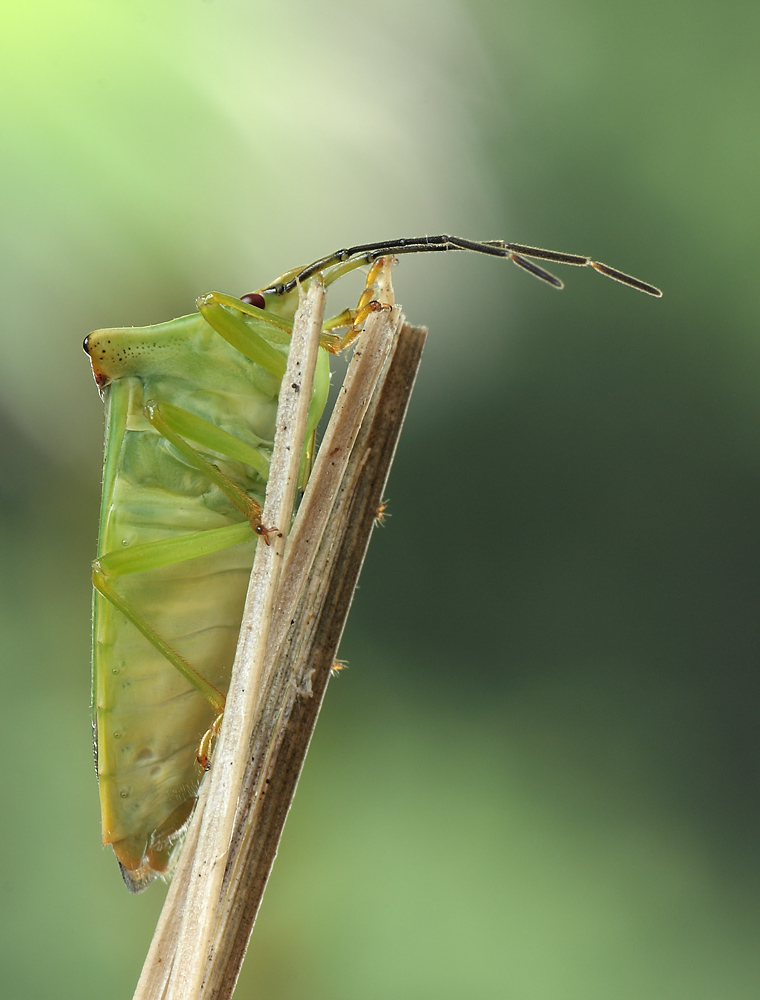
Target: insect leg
pixel 203 432
pixel 370 301
pixel 207 742
pixel 157 417
pixel 223 314
pixel 151 555
pixel 164 553
pixel 342 319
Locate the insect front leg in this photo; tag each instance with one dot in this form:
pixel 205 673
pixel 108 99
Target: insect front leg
pixel 376 297
pixel 225 314
pixel 239 321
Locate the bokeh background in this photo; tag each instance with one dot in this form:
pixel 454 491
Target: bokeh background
pixel 539 778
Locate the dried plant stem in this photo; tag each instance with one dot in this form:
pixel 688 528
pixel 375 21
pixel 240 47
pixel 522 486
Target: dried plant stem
pixel 303 665
pixel 230 753
pixel 188 916
pixel 298 603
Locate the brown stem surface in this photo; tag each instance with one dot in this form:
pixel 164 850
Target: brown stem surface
pixel 314 588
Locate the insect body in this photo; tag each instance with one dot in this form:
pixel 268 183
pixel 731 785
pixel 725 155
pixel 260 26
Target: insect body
pixel 190 416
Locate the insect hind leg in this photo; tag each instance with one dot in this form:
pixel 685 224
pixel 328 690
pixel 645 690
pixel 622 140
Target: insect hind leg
pixel 100 582
pixel 166 552
pixel 152 555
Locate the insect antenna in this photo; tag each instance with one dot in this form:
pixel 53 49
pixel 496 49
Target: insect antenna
pixel 534 269
pixel 626 279
pixel 365 253
pixel 579 261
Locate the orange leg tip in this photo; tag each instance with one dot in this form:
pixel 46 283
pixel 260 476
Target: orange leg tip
pixel 377 266
pixel 206 745
pixel 266 532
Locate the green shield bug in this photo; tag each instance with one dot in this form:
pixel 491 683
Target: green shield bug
pixel 190 416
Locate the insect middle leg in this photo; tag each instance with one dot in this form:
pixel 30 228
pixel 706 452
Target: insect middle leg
pixel 171 422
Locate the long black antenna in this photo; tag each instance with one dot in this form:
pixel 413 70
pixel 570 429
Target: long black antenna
pixel 518 253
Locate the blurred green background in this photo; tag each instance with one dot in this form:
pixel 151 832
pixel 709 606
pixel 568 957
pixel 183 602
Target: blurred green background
pixel 539 778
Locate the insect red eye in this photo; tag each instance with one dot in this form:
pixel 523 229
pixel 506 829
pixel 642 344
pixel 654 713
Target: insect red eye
pixel 254 299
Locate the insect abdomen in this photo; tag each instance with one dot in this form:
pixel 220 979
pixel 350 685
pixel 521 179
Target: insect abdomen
pixel 150 719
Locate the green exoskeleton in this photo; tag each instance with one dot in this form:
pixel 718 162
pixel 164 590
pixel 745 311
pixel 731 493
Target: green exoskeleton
pixel 190 416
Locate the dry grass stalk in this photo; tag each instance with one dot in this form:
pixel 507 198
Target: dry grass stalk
pixel 302 667
pixel 197 952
